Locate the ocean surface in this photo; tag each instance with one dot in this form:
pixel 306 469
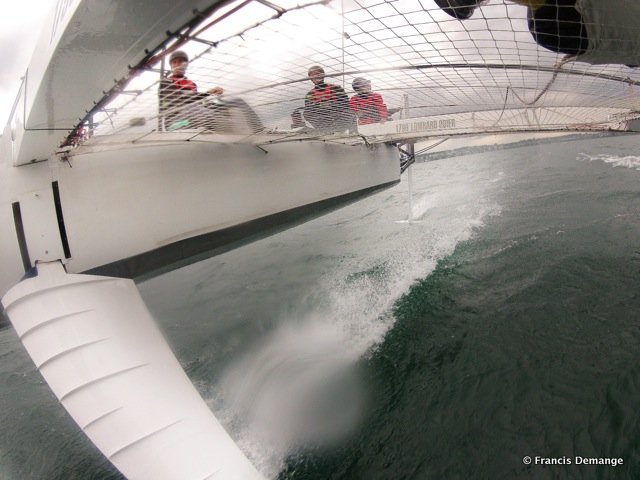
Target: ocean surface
pixel 502 324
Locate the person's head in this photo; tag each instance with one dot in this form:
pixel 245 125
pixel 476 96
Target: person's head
pixel 178 62
pixel 361 85
pixel 316 74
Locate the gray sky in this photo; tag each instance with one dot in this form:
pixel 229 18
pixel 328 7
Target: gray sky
pixel 20 26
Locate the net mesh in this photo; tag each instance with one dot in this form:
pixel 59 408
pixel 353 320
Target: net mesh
pixel 436 74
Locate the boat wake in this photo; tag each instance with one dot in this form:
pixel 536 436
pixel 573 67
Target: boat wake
pixel 298 387
pixel 627 161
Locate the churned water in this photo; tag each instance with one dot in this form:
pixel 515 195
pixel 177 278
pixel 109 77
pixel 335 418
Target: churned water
pixel 500 328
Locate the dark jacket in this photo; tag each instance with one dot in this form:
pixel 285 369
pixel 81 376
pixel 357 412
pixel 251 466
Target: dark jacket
pixel 558 26
pixel 326 106
pixel 176 93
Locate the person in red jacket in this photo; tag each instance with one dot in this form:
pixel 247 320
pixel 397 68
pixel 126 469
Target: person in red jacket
pixel 326 106
pixel 368 106
pixel 177 92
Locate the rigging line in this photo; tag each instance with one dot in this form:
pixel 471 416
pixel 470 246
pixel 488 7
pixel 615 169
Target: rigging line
pixel 222 17
pixel 558 66
pixel 240 34
pixel 504 106
pixel 343 37
pixel 631 95
pixel 453 66
pixel 154 57
pixel 275 7
pixel 107 113
pixel 149 58
pixel 161 52
pixel 406 152
pixel 187 38
pixel 57 129
pixel 422 150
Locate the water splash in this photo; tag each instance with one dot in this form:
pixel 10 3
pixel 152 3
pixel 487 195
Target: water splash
pixel 627 161
pixel 298 386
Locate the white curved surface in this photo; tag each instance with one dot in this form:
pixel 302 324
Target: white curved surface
pixel 85 47
pixel 96 345
pixel 142 197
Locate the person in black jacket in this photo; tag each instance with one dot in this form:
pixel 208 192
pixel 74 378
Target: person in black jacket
pixel 326 106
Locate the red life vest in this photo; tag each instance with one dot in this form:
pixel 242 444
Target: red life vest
pixel 175 93
pixel 327 106
pixel 323 94
pixel 369 108
pixel 183 83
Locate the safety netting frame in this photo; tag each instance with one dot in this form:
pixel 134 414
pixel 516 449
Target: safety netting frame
pixel 445 76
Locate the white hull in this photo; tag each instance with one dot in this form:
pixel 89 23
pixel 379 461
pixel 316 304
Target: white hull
pixel 84 49
pixel 135 211
pixel 131 212
pixel 131 206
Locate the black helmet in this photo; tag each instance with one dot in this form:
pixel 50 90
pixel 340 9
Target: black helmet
pixel 178 54
pixel 359 83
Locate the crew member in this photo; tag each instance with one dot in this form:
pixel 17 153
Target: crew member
pixel 366 105
pixel 326 106
pixel 177 92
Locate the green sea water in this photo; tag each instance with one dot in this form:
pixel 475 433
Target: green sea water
pixel 522 343
pixel 502 324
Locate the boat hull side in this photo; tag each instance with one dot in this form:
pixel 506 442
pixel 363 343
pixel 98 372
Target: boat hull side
pixel 191 250
pixel 147 210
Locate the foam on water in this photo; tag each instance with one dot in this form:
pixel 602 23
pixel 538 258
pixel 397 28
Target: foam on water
pixel 627 161
pixel 298 386
pixel 281 395
pixel 339 278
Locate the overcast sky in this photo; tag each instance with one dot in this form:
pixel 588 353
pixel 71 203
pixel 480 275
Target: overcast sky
pixel 20 26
